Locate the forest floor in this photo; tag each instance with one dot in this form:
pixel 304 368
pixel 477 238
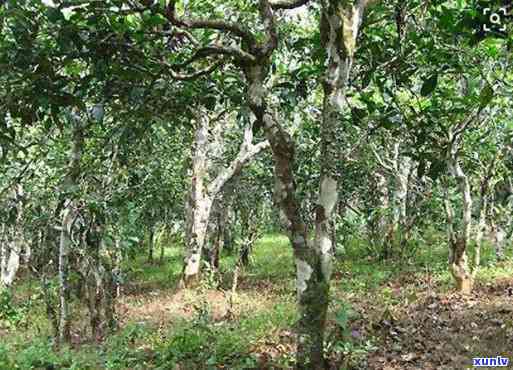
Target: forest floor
pixel 383 315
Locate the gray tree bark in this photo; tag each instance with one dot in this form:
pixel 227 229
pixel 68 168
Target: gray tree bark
pixel 459 237
pixel 67 217
pixel 12 243
pixel 203 192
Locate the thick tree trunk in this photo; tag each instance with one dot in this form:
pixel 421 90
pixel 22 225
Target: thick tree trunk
pixel 339 28
pixel 196 233
pixel 199 204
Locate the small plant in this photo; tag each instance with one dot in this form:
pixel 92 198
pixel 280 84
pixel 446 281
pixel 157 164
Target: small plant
pixel 345 345
pixel 9 313
pixel 5 360
pixel 210 277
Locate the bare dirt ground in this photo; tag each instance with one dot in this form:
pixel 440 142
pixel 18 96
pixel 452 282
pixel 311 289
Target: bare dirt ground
pixel 445 331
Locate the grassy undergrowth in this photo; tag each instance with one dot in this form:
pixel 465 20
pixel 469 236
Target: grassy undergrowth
pixel 207 328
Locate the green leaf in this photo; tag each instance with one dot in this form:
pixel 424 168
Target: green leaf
pixel 485 96
pixel 429 85
pixel 436 169
pixel 156 20
pixel 54 15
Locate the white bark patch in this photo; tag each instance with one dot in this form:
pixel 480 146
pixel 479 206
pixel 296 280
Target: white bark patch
pixel 256 89
pixel 325 244
pixel 12 264
pixel 192 266
pixel 304 271
pixel 326 265
pixel 328 195
pixel 500 236
pixel 352 20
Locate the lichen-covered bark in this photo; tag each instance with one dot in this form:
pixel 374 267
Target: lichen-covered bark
pixel 339 28
pixel 12 242
pixel 459 238
pixel 204 191
pixel 67 216
pixel 402 168
pixel 198 207
pixel 11 250
pixel 399 168
pixel 64 250
pixel 499 239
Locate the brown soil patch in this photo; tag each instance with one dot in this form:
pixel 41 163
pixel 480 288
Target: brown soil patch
pixel 445 331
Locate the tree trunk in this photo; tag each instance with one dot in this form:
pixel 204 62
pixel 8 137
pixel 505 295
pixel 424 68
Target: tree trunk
pixel 339 28
pixel 401 191
pixel 10 260
pixel 498 239
pixel 459 239
pixel 199 204
pixel 68 214
pixel 64 249
pixel 203 192
pixel 116 271
pixel 12 246
pixel 151 244
pixel 215 233
pixel 377 226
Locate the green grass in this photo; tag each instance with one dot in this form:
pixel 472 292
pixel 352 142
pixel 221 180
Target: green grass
pixel 264 309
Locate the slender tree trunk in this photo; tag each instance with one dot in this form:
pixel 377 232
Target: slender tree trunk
pixel 10 260
pixel 401 191
pixel 3 252
pixel 162 254
pixel 203 192
pixel 12 246
pixel 399 168
pixel 64 250
pixel 482 226
pixel 498 240
pixel 458 261
pixel 377 226
pixel 151 244
pixel 215 233
pixel 116 272
pixel 68 215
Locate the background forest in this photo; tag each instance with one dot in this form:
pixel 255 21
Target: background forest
pixel 255 184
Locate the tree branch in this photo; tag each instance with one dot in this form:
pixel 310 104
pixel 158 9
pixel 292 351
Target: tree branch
pixel 246 153
pixel 380 160
pixel 194 75
pixel 219 25
pixel 267 16
pixel 288 4
pixel 234 52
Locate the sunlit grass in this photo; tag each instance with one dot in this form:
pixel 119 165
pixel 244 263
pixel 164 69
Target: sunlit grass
pixel 263 306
